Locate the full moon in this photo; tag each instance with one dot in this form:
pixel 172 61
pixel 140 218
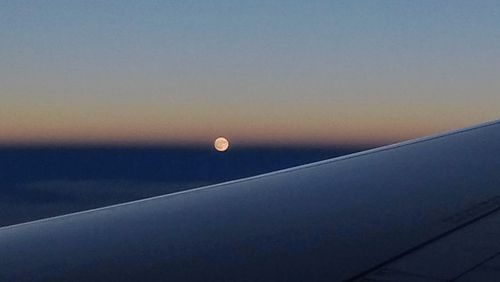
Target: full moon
pixel 221 144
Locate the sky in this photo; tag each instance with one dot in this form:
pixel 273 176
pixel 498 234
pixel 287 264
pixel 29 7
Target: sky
pixel 258 72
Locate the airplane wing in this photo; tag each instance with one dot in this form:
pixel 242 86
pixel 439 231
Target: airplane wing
pixel 422 210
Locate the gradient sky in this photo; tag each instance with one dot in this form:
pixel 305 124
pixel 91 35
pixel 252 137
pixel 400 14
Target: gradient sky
pixel 275 72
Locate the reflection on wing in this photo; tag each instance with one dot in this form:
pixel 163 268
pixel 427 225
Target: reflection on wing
pixel 469 252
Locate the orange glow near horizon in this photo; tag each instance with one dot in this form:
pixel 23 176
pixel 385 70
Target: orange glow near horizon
pixel 277 130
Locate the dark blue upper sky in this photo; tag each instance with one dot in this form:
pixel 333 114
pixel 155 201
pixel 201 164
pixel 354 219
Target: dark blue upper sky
pixel 255 71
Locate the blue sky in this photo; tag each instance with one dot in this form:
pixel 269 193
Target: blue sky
pixel 256 71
